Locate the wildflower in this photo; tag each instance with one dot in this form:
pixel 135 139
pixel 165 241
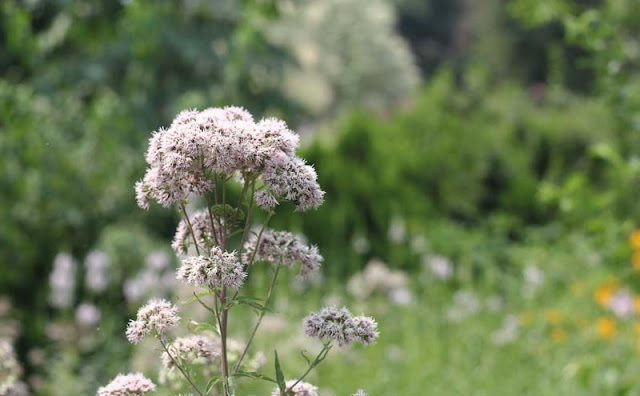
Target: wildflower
pixel 606 328
pixel 127 385
pixel 10 370
pixel 87 314
pixel 622 303
pixel 635 260
pixel 221 269
pixel 360 392
pixel 191 350
pixel 439 266
pixel 156 315
pixel 157 260
pixel 604 292
pixel 377 277
pixel 203 232
pixel 300 389
pixel 508 332
pixel 559 335
pixel 226 141
pixel 397 230
pixel 341 326
pixel 634 239
pixel 266 200
pixel 97 265
pixel 62 281
pixel 283 248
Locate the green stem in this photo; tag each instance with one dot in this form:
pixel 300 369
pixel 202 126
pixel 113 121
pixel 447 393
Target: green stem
pixel 321 356
pixel 262 313
pixel 186 217
pixel 184 373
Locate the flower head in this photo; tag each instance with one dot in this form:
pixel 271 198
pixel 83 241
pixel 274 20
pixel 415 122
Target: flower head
pixel 360 392
pixel 156 315
pixel 283 248
pixel 338 324
pixel 300 389
pixel 127 385
pixel 221 269
pixel 191 350
pixel 228 142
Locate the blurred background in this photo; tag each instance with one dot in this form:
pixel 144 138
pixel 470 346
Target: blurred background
pixel 480 161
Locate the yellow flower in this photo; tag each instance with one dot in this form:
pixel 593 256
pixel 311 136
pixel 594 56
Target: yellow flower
pixel 553 316
pixel 634 239
pixel 604 293
pixel 606 328
pixel 559 335
pixel 635 260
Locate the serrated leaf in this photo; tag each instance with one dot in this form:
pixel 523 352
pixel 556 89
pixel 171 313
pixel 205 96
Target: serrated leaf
pixel 255 375
pixel 212 382
pixel 279 375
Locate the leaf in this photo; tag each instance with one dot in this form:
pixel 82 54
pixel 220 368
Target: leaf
pixel 197 296
pixel 212 382
pixel 252 302
pixel 202 326
pixel 255 375
pixel 227 212
pixel 279 376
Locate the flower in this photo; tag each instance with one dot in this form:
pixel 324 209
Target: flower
pixel 604 292
pixel 634 239
pixel 606 328
pixel 127 385
pixel 221 269
pixel 62 281
pixel 283 248
pixel 559 335
pixel 191 350
pixel 622 303
pixel 300 389
pixel 360 392
pixel 87 314
pixel 333 324
pixel 97 267
pixel 226 141
pixel 157 315
pixel 203 233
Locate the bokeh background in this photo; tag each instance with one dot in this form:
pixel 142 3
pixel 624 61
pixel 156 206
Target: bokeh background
pixel 480 161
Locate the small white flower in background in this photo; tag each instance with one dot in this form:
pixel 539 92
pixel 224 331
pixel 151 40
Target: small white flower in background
pixel 439 266
pixel 622 304
pixel 533 279
pixel 419 244
pixel 62 281
pixel 88 314
pixel 493 303
pixel 360 392
pixel 394 353
pixel 156 315
pixel 97 265
pixel 360 244
pixel 465 304
pixel 377 277
pixel 301 389
pixel 508 332
pixel 158 260
pixel 127 385
pixel 400 296
pixel 397 230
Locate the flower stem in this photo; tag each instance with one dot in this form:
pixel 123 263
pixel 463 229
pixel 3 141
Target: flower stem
pixel 321 356
pixel 262 313
pixel 186 217
pixel 184 373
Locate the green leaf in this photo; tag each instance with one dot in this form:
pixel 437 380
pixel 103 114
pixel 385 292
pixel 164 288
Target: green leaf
pixel 202 326
pixel 253 303
pixel 227 212
pixel 279 376
pixel 255 375
pixel 198 295
pixel 212 382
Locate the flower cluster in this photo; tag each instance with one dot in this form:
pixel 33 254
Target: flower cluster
pixel 377 278
pixel 10 369
pixel 226 141
pixel 341 326
pixel 360 392
pixel 283 248
pixel 191 350
pixel 158 315
pixel 300 389
pixel 221 269
pixel 202 232
pixel 127 385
